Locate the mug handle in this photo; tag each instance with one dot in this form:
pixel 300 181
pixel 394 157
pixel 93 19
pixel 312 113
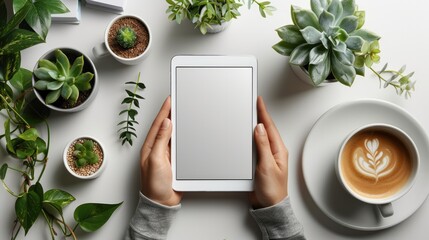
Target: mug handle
pixel 100 50
pixel 386 210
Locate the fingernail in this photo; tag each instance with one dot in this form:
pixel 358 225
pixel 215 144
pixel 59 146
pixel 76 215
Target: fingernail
pixel 165 123
pixel 261 129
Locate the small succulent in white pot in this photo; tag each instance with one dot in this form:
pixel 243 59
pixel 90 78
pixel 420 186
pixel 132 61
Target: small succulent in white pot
pixel 212 16
pixel 65 80
pixel 328 42
pixel 84 158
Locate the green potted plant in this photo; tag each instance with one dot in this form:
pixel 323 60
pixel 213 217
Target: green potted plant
pixel 328 44
pixel 212 16
pixel 65 80
pixel 84 158
pixel 27 26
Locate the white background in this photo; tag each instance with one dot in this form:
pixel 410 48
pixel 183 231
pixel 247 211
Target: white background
pixel 294 106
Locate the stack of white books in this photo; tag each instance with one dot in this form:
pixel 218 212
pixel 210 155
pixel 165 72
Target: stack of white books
pixel 73 16
pixel 116 6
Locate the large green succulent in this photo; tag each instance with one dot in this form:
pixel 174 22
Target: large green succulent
pixel 61 79
pixel 329 41
pixel 326 39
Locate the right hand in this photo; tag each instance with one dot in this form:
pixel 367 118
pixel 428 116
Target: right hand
pixel 271 174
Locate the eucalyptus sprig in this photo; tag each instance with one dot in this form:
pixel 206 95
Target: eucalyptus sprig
pixel 128 131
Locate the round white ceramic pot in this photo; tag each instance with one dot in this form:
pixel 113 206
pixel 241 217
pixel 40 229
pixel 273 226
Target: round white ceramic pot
pixel 88 66
pixel 73 173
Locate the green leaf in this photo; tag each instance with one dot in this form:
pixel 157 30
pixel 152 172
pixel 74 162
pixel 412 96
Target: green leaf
pixel 41 85
pixel 21 81
pixel 63 61
pixel 9 144
pixel 343 73
pixel 290 34
pixel 16 19
pixel 41 146
pixel 317 6
pixel 76 68
pixel 342 35
pixel 319 73
pixel 27 209
pixel 92 216
pixel 355 43
pixel 336 9
pixel 75 94
pixel 283 48
pixel 39 16
pixel 17 40
pixel 318 54
pixel 3 171
pixel 349 24
pixel 66 91
pixel 84 78
pixel 311 35
pixel 53 96
pixel 300 55
pixel 349 7
pixel 54 85
pixel 38 189
pixel 361 18
pixel 30 134
pixel 58 197
pixel 9 65
pixel 366 35
pixel 326 21
pixel 3 13
pixel 347 57
pixel 303 18
pixel 45 63
pixel 43 73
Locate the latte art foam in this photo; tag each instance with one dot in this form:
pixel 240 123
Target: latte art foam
pixel 375 164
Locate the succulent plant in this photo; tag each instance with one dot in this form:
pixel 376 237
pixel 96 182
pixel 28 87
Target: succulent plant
pixel 85 154
pixel 126 37
pixel 61 79
pixel 328 40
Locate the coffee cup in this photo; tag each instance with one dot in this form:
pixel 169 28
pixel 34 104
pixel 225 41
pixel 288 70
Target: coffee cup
pixel 378 164
pixel 125 54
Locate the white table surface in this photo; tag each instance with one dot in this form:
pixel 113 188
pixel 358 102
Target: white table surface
pixel 294 106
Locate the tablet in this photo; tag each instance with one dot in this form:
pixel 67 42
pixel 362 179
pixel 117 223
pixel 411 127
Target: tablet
pixel 213 113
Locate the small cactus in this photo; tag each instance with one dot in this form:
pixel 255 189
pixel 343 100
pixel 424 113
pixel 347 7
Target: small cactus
pixel 126 37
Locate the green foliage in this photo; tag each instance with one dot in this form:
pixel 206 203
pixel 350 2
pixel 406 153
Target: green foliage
pixel 204 13
pixel 329 40
pixel 126 37
pixel 127 131
pixel 61 79
pixel 28 26
pixel 92 216
pixel 84 153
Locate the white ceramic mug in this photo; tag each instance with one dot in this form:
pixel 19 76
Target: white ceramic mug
pixel 103 49
pixel 383 204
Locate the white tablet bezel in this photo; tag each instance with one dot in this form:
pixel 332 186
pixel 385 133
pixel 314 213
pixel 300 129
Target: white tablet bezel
pixel 218 62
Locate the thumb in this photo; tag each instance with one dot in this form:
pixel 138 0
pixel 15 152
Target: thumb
pixel 162 137
pixel 262 145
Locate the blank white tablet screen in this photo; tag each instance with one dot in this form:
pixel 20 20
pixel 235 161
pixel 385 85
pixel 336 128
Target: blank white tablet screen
pixel 214 132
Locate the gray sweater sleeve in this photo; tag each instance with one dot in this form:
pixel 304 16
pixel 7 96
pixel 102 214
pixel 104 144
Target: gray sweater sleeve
pixel 278 222
pixel 151 220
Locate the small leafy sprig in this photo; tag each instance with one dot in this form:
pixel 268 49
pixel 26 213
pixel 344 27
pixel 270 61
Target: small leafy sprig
pixel 127 131
pixel 396 78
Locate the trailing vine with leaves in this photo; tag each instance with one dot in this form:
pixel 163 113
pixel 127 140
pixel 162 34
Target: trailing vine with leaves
pixel 127 131
pixel 27 27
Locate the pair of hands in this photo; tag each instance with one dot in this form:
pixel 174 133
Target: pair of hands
pixel 270 174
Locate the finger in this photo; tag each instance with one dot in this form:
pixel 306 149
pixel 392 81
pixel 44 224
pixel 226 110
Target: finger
pixel 162 138
pixel 276 142
pixel 265 157
pixel 164 112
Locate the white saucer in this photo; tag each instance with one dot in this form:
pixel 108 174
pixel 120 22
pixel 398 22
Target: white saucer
pixel 321 150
